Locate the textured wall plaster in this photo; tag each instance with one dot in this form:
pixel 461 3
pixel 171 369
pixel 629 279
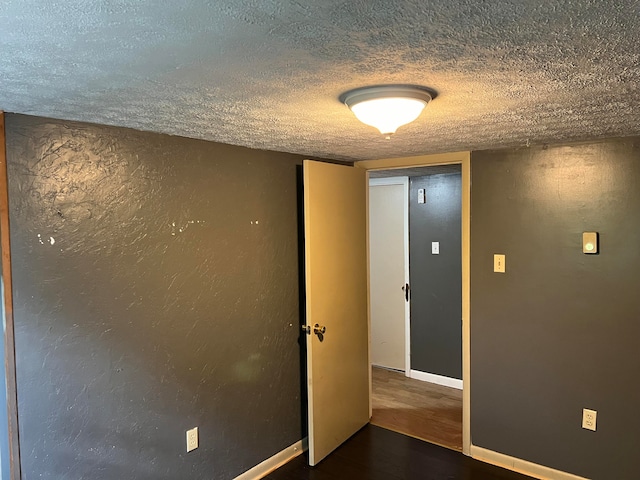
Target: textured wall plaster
pixel 168 300
pixel 559 330
pixel 267 74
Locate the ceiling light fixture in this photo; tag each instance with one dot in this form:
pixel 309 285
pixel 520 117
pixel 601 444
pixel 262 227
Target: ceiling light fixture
pixel 387 107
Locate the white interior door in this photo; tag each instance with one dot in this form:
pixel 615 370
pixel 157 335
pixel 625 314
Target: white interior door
pixel 336 300
pixel 388 272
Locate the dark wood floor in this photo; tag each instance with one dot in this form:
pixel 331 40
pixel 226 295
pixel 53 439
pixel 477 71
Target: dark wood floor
pixel 376 453
pixel 419 409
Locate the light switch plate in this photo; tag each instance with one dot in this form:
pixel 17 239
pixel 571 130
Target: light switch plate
pixel 435 248
pixel 590 242
pixel 421 195
pixel 499 263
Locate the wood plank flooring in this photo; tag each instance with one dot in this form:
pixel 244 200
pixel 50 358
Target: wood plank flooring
pixel 418 409
pixel 376 453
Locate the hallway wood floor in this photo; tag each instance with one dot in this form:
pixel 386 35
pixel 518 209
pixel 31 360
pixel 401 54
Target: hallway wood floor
pixel 418 409
pixel 375 453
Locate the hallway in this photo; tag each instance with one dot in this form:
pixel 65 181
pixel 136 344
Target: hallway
pixel 419 409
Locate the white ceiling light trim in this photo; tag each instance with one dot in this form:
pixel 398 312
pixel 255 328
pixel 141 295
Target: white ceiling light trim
pixel 387 107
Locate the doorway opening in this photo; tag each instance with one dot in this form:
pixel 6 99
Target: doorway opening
pixel 416 301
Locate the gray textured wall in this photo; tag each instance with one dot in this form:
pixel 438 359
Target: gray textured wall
pixel 559 330
pixel 156 289
pixel 436 280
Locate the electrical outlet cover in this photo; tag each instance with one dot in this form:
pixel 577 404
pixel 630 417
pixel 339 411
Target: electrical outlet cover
pixel 192 439
pixel 589 419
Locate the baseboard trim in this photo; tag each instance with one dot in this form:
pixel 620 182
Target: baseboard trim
pixel 391 369
pixel 438 379
pixel 520 466
pixel 270 464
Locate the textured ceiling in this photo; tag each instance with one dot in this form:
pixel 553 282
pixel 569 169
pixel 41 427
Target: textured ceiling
pixel 268 73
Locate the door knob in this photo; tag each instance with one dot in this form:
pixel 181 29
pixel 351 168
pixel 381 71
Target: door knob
pixel 318 330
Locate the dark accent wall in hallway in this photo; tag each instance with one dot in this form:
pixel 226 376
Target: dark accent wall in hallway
pixel 156 289
pixel 558 332
pixel 436 280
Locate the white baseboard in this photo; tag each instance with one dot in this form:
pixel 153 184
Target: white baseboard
pixel 391 369
pixel 270 464
pixel 520 466
pixel 438 379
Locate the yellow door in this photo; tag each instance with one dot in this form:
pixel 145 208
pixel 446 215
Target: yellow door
pixel 336 304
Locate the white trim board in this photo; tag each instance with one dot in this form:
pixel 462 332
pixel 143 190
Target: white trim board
pixel 521 466
pixel 376 182
pixel 391 369
pixel 437 379
pixel 407 279
pixel 270 464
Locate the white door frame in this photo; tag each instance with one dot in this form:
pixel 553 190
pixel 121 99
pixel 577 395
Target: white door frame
pixel 464 159
pixel 404 181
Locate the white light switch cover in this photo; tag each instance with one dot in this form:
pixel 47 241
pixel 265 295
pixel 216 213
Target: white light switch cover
pixel 435 248
pixel 499 263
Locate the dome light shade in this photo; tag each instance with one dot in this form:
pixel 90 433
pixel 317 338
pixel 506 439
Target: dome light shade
pixel 387 107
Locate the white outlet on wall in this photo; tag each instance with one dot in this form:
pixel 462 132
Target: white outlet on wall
pixel 192 439
pixel 589 419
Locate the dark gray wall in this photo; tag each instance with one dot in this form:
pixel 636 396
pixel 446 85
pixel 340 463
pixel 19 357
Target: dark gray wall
pixel 436 280
pixel 560 330
pixel 156 289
